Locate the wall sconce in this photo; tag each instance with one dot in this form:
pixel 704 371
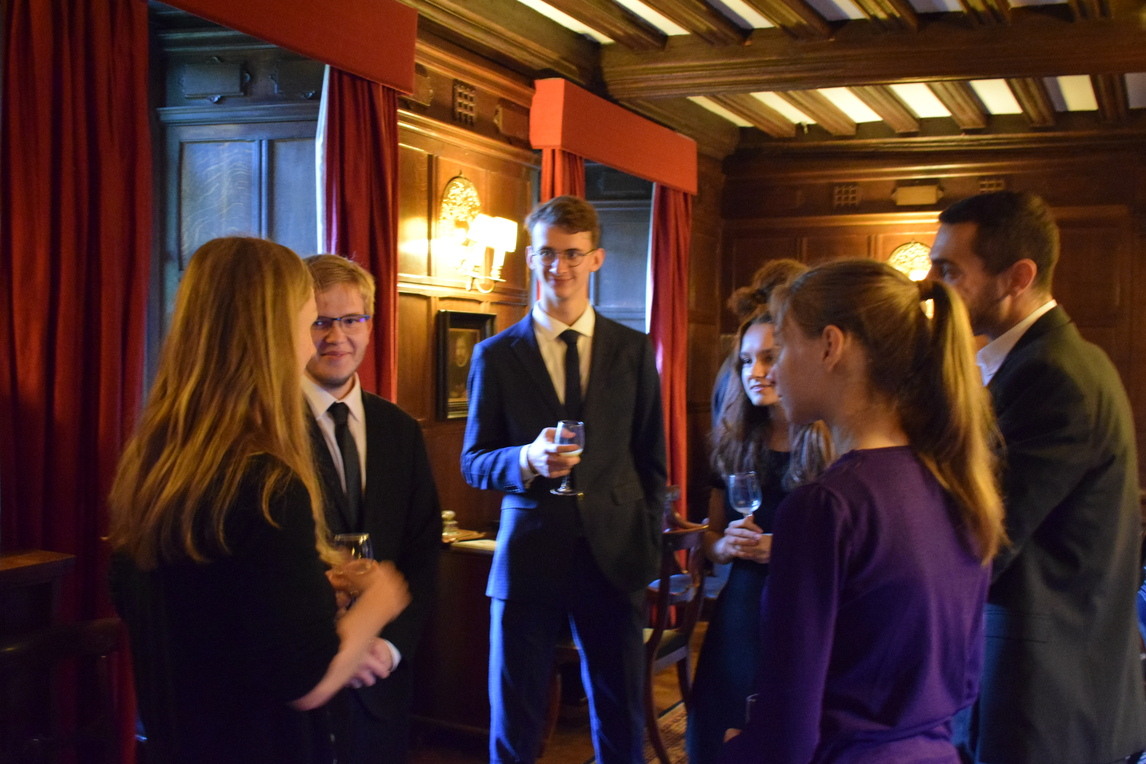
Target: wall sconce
pixel 498 234
pixel 466 233
pixel 912 259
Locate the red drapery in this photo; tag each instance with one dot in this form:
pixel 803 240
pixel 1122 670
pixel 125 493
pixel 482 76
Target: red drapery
pixel 561 173
pixel 75 247
pixel 360 185
pixel 668 324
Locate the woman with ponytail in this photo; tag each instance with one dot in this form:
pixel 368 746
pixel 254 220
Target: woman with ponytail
pixel 217 529
pixel 871 623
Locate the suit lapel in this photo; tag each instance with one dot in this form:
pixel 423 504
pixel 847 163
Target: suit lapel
pixel 527 352
pixel 603 354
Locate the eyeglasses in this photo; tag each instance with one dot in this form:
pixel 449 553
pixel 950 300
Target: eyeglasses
pixel 351 323
pixel 571 257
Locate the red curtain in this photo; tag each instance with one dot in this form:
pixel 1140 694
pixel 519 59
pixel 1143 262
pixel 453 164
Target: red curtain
pixel 561 173
pixel 359 132
pixel 671 239
pixel 75 246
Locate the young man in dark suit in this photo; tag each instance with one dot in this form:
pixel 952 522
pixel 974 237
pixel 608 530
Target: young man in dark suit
pixel 390 495
pixel 1062 679
pixel 585 559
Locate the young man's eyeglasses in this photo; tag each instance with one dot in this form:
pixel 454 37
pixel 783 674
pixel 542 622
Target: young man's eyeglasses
pixel 351 323
pixel 571 257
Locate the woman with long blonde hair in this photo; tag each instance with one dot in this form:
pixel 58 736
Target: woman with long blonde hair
pixel 871 623
pixel 217 528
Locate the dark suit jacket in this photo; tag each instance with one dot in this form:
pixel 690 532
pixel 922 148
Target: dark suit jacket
pixel 401 513
pixel 1062 678
pixel 622 470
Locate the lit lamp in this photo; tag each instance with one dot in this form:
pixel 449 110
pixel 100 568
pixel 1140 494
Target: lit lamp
pixel 486 232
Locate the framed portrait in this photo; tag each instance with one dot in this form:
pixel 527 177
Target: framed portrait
pixel 458 332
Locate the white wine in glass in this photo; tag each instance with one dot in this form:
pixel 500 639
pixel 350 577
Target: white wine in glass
pixel 569 433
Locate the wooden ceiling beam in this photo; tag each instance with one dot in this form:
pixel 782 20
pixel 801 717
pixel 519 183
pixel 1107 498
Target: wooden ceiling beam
pixel 1032 95
pixel 715 136
pixel 987 13
pixel 1033 45
pixel 1110 92
pixel 963 103
pixel 759 114
pixel 890 14
pixel 889 108
pixel 613 21
pixel 512 34
pixel 825 113
pixel 1090 9
pixel 703 20
pixel 795 18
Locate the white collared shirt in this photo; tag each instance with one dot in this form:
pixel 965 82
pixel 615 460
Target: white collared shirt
pixel 547 330
pixel 991 356
pixel 320 400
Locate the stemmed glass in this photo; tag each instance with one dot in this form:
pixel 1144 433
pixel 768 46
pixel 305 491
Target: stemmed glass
pixel 569 433
pixel 744 492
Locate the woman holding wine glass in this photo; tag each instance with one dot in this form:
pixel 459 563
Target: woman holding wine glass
pixel 760 460
pixel 219 540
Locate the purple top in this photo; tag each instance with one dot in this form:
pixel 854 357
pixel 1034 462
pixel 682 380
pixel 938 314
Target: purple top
pixel 871 620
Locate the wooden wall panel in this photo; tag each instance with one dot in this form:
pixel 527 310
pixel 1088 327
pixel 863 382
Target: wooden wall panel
pixel 431 151
pixel 1101 279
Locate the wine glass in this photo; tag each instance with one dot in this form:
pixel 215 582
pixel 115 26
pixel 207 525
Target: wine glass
pixel 744 492
pixel 357 555
pixel 354 546
pixel 569 433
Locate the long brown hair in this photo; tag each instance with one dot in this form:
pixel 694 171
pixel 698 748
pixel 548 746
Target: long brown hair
pixel 227 389
pixel 740 437
pixel 925 366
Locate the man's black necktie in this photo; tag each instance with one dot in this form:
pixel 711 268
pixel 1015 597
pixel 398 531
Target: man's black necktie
pixel 351 469
pixel 572 374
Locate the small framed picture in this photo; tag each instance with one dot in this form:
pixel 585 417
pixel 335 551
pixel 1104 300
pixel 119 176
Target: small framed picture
pixel 458 332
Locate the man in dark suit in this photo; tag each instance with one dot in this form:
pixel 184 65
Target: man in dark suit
pixel 1062 680
pixel 391 496
pixel 585 559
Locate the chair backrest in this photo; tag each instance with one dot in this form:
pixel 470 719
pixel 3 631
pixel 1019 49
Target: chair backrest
pixel 34 668
pixel 677 596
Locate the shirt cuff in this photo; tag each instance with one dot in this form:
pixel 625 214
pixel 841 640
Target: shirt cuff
pixel 527 473
pixel 395 653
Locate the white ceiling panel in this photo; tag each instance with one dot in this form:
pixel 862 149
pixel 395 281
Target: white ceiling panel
pixel 658 20
pixel 996 95
pixel 565 19
pixel 790 112
pixel 742 13
pixel 847 102
pixel 837 10
pixel 1136 90
pixel 716 108
pixel 921 100
pixel 1072 93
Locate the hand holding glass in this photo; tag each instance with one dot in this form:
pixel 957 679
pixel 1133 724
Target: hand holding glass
pixel 569 433
pixel 744 492
pixel 357 554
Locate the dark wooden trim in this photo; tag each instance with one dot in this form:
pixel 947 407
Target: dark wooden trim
pixel 987 13
pixel 614 22
pixel 945 48
pixel 1032 95
pixel 715 136
pixel 890 14
pixel 703 20
pixel 796 18
pixel 825 113
pixel 761 115
pixel 1110 92
pixel 890 109
pixel 963 103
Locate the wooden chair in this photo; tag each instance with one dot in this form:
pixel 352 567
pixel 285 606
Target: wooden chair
pixel 33 667
pixel 675 601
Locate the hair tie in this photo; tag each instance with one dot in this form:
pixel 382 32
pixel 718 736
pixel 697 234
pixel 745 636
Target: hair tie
pixel 926 289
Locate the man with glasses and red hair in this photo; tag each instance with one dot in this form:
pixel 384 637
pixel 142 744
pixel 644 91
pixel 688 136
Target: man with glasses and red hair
pixel 584 558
